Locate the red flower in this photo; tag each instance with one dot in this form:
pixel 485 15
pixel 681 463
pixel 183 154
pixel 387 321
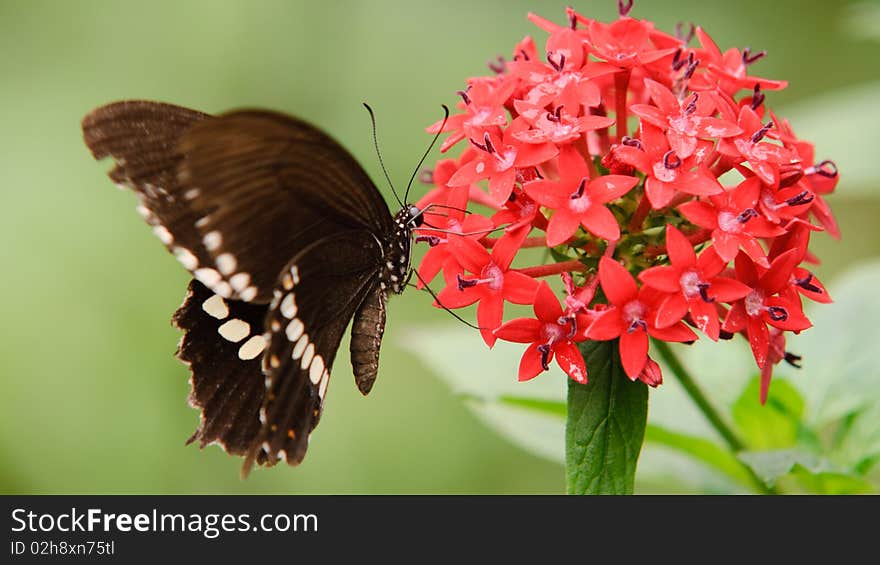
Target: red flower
pixel 577 201
pixel 691 284
pixel 734 221
pixel 684 122
pixel 550 334
pixel 498 160
pixel 557 127
pixel 764 304
pixel 449 218
pixel 493 281
pixel 483 104
pixel 626 42
pixel 728 71
pixel 667 173
pixel 762 156
pixel 632 317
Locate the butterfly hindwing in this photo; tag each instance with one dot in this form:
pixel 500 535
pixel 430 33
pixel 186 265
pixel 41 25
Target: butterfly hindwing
pixel 223 344
pixel 316 296
pixel 270 186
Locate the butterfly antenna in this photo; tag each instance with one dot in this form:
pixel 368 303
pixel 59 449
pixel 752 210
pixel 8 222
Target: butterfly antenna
pixel 379 154
pixel 425 156
pixel 456 316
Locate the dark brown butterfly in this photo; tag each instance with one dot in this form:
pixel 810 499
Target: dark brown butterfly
pixel 287 239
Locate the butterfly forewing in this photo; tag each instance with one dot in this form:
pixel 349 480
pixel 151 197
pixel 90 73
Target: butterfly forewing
pixel 270 186
pixel 317 294
pixel 142 138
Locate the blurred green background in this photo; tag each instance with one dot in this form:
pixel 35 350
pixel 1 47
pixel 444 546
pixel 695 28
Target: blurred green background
pixel 93 400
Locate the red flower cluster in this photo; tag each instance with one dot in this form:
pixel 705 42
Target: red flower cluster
pixel 670 196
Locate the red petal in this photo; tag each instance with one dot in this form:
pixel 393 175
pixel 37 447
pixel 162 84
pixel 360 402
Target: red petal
pixel 671 311
pixel 683 145
pixel 529 155
pixel 633 352
pixel 698 183
pixel 562 226
pixel 726 245
pixel 547 307
pixel 677 332
pixel 716 127
pixel 572 166
pixel 659 192
pixel 662 97
pixel 633 157
pixel 490 312
pixel 759 340
pixel 745 194
pixel 701 213
pixel 664 277
pixel 548 193
pixel 470 254
pixel 501 185
pixel 680 250
pixel 618 285
pixel 780 271
pixel 451 297
pixel 599 220
pixel 650 114
pixel 795 321
pixel 753 249
pixel 610 187
pixel 723 289
pixel 508 245
pixel 520 330
pixel 705 317
pixel 569 358
pixel 469 173
pixel 736 318
pixel 607 325
pixel 530 364
pixel 519 288
pixel 432 262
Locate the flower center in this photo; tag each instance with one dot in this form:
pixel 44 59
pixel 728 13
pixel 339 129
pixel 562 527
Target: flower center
pixel 663 173
pixel 492 275
pixel 633 316
pixel 729 222
pixel 691 284
pixel 754 303
pixel 506 159
pixel 553 332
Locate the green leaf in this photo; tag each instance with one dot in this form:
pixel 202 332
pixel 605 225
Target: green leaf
pixel 814 474
pixel 776 424
pixel 549 407
pixel 702 449
pixel 605 426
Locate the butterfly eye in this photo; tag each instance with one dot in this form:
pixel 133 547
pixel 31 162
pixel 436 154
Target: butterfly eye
pixel 415 216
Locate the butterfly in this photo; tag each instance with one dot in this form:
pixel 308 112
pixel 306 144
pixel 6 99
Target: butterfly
pixel 287 240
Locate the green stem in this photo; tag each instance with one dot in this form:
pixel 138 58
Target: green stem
pixel 709 411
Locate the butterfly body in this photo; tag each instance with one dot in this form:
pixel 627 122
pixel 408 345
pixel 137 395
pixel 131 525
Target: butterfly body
pixel 287 240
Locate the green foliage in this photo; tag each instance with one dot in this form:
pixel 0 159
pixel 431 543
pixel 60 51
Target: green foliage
pixel 605 425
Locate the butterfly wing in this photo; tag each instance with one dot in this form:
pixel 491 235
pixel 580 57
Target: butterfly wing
pixel 316 296
pixel 270 185
pixel 223 344
pixel 142 139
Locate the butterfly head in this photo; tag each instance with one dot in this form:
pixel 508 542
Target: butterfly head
pixel 414 217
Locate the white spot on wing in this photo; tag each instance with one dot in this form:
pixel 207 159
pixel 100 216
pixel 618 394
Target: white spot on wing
pixel 192 194
pixel 325 378
pixel 248 294
pixel 216 307
pixel 300 346
pixel 294 330
pixel 252 347
pixel 212 240
pixel 308 354
pixel 288 306
pixel 208 276
pixel 226 263
pixel 163 234
pixel 239 281
pixel 234 330
pixel 294 272
pixel 316 369
pixel 186 258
